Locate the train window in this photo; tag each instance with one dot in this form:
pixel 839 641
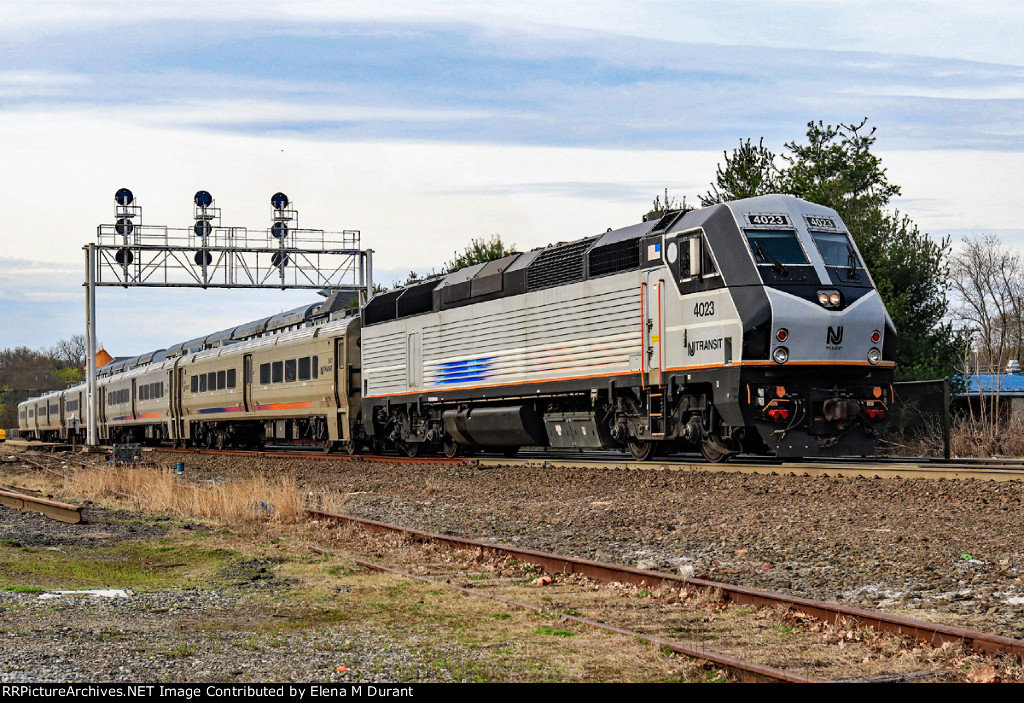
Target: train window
pixel 195 384
pixel 222 380
pixel 202 383
pixel 211 380
pixel 316 367
pixel 304 368
pixel 264 374
pixel 836 250
pixel 278 367
pixel 231 378
pixel 289 370
pixel 143 393
pixel 160 390
pixel 775 247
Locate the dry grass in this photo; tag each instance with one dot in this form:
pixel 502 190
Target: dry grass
pixel 245 502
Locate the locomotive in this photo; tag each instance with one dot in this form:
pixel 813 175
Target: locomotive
pixel 748 326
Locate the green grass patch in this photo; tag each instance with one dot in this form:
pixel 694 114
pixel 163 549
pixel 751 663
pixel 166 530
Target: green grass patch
pixel 24 589
pixel 552 632
pixel 122 565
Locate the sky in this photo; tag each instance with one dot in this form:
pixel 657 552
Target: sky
pixel 426 124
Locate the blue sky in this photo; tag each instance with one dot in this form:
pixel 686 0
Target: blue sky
pixel 424 124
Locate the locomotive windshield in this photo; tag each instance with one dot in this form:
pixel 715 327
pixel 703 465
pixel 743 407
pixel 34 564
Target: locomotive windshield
pixel 775 247
pixel 836 249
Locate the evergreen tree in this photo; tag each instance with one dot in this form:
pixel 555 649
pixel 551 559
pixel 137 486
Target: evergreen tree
pixel 479 251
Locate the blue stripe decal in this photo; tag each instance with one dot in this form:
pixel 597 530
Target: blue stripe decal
pixel 469 371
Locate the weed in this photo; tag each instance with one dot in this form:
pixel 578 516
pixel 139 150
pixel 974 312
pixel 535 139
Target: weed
pixel 182 649
pixel 644 593
pixel 24 589
pixel 553 632
pixel 500 616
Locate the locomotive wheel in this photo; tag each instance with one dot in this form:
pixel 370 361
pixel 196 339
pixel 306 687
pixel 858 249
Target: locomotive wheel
pixel 452 448
pixel 410 449
pixel 220 440
pixel 641 449
pixel 328 446
pixel 712 454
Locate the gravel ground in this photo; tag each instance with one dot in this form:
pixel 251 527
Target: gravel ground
pixel 937 550
pixel 948 550
pixel 191 635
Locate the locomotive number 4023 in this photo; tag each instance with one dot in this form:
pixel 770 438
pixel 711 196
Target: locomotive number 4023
pixel 705 309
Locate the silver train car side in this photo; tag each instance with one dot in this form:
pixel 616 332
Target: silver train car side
pixel 750 326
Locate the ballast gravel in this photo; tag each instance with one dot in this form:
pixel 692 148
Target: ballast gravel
pixel 937 550
pixel 942 550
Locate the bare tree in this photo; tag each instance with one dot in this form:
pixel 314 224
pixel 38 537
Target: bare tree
pixel 70 352
pixel 988 282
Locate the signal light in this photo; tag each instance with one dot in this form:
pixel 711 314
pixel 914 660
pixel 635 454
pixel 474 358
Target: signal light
pixel 780 355
pixel 874 356
pixel 875 336
pixel 782 335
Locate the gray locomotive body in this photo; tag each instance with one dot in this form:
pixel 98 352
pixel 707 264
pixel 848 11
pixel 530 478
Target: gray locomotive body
pixel 747 326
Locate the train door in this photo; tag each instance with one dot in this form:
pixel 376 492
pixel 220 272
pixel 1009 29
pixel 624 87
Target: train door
pixel 177 390
pixel 653 294
pixel 338 424
pixel 654 335
pixel 133 410
pixel 247 382
pixel 101 413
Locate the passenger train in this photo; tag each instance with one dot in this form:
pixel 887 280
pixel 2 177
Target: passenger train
pixel 749 326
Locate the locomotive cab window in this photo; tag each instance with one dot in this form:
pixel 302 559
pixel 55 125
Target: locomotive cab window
pixel 695 258
pixel 779 247
pixel 835 248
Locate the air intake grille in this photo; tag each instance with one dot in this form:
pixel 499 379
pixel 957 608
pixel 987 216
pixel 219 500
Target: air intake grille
pixel 558 265
pixel 612 258
pixel 667 221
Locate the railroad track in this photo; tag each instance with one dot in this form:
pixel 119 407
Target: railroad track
pixel 882 468
pixel 988 469
pixel 929 633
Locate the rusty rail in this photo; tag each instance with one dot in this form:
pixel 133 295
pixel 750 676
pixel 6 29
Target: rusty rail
pixel 745 671
pixel 930 633
pixel 64 512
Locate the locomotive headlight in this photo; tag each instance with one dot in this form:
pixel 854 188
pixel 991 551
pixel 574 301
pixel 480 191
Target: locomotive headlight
pixel 834 298
pixel 781 355
pixel 874 356
pixel 823 298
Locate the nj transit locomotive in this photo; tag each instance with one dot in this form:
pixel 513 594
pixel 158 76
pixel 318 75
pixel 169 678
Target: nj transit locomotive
pixel 750 326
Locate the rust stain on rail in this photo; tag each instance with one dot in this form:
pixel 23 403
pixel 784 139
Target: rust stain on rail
pixel 931 633
pixel 64 512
